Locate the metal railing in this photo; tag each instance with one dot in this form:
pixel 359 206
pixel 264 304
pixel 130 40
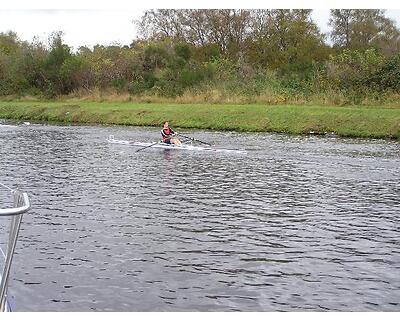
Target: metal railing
pixel 21 205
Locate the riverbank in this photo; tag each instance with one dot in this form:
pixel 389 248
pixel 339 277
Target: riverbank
pixel 351 121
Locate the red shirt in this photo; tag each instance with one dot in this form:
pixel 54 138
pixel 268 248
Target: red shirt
pixel 166 133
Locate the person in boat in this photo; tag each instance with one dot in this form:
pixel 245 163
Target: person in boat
pixel 167 135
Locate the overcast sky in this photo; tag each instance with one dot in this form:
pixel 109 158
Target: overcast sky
pixel 90 27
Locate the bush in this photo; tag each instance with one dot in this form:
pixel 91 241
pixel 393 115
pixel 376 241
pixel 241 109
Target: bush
pixel 183 51
pixel 170 69
pixel 351 70
pixel 388 77
pixel 144 83
pixel 71 73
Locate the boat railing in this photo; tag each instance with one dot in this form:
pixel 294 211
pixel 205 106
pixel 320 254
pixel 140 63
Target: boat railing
pixel 21 205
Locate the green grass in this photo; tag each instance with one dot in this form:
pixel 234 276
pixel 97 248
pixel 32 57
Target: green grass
pixel 355 121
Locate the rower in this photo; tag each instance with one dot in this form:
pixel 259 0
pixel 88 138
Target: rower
pixel 167 133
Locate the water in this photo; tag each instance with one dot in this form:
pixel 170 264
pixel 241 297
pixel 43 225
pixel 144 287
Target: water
pixel 296 224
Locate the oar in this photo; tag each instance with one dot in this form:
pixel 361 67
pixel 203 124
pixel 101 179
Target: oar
pixel 182 139
pixel 194 139
pixel 147 147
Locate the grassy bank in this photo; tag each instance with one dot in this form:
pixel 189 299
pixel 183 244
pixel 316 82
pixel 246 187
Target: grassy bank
pixel 357 121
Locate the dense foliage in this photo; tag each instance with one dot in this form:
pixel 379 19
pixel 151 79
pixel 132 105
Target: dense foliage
pixel 260 55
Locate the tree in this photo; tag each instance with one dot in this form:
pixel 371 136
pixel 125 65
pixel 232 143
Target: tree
pixel 341 21
pixel 227 29
pixel 9 43
pixel 285 37
pixel 269 37
pixel 362 29
pixel 52 65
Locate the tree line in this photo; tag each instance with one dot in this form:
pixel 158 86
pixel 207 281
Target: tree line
pixel 251 53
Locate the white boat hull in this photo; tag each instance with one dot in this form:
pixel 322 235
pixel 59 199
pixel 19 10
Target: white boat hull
pixel 162 145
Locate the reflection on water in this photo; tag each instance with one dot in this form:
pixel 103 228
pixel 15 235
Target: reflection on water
pixel 297 223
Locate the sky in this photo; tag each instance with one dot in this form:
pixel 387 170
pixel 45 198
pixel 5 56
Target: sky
pixel 89 26
pixel 80 27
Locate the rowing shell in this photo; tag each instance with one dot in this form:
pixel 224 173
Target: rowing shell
pixel 162 145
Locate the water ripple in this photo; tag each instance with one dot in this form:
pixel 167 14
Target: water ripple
pixel 297 223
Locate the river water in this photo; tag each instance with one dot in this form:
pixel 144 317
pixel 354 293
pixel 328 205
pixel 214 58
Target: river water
pixel 295 224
